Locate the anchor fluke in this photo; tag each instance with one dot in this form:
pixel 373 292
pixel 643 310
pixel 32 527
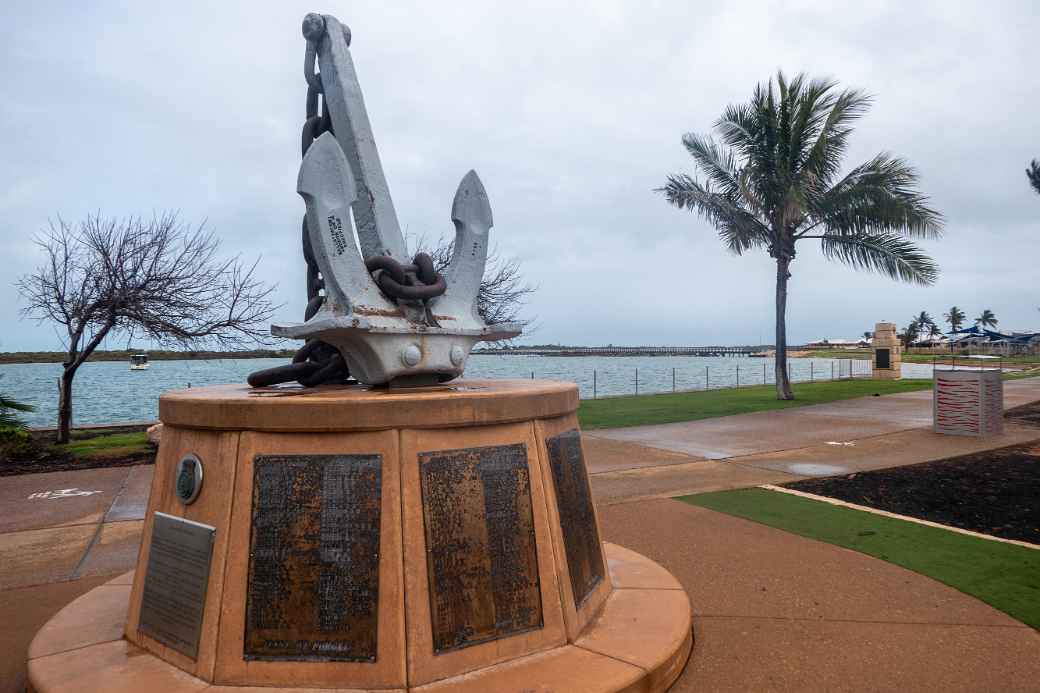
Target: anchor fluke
pixel 471 206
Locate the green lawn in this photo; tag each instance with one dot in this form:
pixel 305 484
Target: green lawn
pixel 111 445
pixel 691 406
pixel 1004 576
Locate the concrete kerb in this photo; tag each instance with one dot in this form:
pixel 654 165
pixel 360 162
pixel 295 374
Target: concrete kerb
pixel 896 516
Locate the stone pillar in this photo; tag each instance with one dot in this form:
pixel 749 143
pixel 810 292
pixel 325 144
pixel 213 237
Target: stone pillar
pixel 888 353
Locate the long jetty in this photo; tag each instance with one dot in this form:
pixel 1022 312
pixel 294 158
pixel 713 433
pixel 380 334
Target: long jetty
pixel 629 351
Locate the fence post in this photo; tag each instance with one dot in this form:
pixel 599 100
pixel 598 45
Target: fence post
pixel 532 375
pixel 673 380
pixel 738 375
pixel 763 373
pixel 812 371
pixel 707 380
pixel 593 383
pixel 637 381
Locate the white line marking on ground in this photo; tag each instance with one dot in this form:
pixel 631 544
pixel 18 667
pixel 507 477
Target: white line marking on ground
pixel 906 518
pixel 61 493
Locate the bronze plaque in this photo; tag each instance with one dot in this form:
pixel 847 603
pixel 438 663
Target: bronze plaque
pixel 174 596
pixel 313 591
pixel 577 518
pixel 481 555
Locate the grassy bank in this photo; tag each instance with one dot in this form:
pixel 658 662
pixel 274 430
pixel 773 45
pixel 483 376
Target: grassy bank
pixel 1004 576
pixel 58 357
pixel 640 410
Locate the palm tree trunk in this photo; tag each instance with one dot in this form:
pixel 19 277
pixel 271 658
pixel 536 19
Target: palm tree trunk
pixel 783 383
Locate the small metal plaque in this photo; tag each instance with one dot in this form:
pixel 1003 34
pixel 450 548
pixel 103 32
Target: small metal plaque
pixel 882 359
pixel 313 590
pixel 577 517
pixel 174 597
pixel 482 559
pixel 188 479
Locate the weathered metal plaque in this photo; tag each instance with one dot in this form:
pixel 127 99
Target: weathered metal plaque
pixel 175 583
pixel 482 559
pixel 577 517
pixel 882 359
pixel 313 591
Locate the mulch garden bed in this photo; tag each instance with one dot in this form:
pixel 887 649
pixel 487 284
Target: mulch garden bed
pixel 994 492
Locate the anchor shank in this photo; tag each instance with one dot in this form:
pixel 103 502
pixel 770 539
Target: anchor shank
pixel 378 230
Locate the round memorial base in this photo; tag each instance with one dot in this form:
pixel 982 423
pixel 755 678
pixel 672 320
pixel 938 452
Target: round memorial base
pixel 363 539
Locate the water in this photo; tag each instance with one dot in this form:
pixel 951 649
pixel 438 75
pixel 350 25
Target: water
pixel 109 392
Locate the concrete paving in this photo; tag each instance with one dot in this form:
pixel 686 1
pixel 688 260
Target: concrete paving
pixel 800 427
pixel 781 446
pixel 774 611
pixel 778 612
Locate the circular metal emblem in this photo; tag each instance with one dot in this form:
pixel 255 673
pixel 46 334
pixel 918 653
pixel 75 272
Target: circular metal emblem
pixel 188 479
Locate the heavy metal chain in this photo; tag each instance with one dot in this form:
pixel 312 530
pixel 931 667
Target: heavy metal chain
pixel 317 362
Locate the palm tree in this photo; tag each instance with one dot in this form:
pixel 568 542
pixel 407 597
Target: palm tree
pixel 1034 174
pixel 924 321
pixel 934 331
pixel 773 180
pixel 956 318
pixel 911 333
pixel 987 319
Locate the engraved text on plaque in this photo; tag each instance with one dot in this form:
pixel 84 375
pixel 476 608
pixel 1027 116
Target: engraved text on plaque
pixel 577 517
pixel 482 559
pixel 174 596
pixel 313 590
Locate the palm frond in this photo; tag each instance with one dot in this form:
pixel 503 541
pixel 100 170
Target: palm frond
pixel 8 407
pixel 886 253
pixel 879 196
pixel 716 162
pixel 830 128
pixel 1033 172
pixel 738 228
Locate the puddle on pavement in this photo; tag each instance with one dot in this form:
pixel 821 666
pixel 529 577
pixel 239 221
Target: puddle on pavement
pixel 809 469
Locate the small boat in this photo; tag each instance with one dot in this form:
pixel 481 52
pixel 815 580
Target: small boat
pixel 139 362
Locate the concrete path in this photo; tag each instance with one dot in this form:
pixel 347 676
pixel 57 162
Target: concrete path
pixel 780 446
pixel 777 612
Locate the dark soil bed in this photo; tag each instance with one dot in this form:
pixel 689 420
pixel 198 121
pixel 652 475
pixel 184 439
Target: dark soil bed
pixel 994 492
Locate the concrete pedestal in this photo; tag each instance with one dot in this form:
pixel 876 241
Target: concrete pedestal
pixel 362 539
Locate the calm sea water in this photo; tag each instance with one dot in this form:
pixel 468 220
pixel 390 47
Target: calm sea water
pixel 109 392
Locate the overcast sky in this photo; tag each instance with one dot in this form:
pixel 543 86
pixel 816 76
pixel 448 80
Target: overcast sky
pixel 571 113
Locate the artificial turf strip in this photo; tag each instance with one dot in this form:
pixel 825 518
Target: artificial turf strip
pixel 1004 576
pixel 112 445
pixel 640 410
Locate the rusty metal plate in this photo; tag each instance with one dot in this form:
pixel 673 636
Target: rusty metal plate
pixel 577 517
pixel 313 590
pixel 174 596
pixel 482 559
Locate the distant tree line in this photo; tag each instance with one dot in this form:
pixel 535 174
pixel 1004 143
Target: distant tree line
pixel 923 325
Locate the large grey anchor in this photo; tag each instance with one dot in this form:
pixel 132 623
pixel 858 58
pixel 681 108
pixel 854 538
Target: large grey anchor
pixel 383 339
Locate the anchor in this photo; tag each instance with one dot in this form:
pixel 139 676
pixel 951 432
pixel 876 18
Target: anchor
pixel 392 322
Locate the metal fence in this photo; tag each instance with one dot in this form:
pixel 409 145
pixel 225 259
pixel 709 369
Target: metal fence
pixel 616 382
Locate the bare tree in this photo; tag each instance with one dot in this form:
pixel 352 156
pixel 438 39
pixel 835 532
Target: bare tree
pixel 502 291
pixel 160 279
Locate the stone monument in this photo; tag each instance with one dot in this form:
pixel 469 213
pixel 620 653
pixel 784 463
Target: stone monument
pixel 405 532
pixel 888 355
